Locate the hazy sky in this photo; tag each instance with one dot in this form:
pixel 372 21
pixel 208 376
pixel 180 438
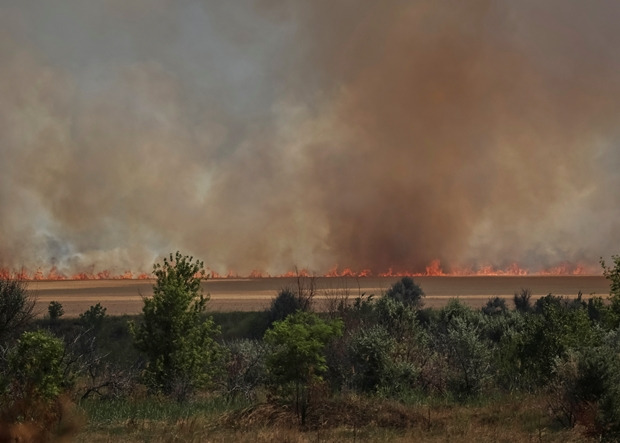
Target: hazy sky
pixel 268 134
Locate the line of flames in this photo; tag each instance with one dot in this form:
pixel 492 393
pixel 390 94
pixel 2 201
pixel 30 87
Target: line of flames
pixel 432 270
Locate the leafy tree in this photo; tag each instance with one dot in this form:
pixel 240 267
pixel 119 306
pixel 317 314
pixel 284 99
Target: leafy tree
pixel 407 291
pixel 299 355
pixel 16 308
pixel 175 335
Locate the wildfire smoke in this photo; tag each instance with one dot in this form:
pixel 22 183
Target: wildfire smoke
pixel 263 134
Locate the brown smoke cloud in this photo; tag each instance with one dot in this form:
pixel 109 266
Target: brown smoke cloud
pixel 271 134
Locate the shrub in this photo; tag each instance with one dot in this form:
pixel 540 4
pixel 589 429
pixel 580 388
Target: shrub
pixel 522 300
pixel 406 291
pixel 495 306
pixel 94 316
pixel 33 375
pixel 245 367
pixel 549 334
pixel 285 304
pixel 587 390
pixel 55 310
pixel 16 308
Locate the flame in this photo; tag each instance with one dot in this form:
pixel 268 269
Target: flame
pixel 433 269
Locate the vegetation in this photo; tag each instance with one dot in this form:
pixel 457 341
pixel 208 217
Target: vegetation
pixel 372 368
pixel 55 311
pixel 178 340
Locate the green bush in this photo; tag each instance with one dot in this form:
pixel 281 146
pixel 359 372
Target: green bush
pixel 33 376
pixel 549 334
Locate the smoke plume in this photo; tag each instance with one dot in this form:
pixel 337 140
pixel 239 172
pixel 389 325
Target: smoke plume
pixel 268 134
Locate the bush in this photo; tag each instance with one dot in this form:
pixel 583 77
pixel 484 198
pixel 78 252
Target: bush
pixel 245 367
pixel 176 337
pixel 93 317
pixel 406 291
pixel 495 306
pixel 551 333
pixel 55 310
pixel 587 390
pixel 16 308
pixel 522 300
pixel 286 303
pixel 33 375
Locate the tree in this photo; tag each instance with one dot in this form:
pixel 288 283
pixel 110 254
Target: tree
pixel 299 355
pixel 55 310
pixel 16 308
pixel 406 291
pixel 522 300
pixel 176 336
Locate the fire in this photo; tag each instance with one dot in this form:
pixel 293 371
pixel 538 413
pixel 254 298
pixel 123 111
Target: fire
pixel 433 269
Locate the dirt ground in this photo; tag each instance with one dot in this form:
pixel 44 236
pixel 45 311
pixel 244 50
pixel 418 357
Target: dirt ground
pixel 125 296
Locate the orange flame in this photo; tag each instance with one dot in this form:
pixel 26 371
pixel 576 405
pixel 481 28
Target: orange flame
pixel 433 269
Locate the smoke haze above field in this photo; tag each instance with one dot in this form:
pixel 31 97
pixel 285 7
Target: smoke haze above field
pixel 268 134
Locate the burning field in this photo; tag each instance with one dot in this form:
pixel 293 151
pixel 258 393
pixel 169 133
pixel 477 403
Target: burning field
pixel 125 296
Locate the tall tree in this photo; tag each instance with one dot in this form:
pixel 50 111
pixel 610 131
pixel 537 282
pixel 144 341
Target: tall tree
pixel 175 334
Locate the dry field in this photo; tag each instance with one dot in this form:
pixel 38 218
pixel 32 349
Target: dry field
pixel 125 296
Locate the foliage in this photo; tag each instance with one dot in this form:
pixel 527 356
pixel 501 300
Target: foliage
pixel 16 308
pixel 613 275
pixel 587 389
pixel 94 316
pixel 406 291
pixel 298 358
pixel 286 303
pixel 55 310
pixel 495 306
pixel 245 368
pixel 557 328
pixel 32 377
pixel 376 365
pixel 174 334
pixel 522 300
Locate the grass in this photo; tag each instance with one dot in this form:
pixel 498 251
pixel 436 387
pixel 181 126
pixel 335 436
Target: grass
pixel 343 419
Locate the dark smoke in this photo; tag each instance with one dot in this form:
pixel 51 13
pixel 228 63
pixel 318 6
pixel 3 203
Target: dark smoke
pixel 269 134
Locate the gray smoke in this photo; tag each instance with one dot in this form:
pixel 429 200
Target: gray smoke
pixel 268 134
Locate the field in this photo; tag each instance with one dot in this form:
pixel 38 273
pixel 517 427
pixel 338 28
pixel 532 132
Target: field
pixel 125 296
